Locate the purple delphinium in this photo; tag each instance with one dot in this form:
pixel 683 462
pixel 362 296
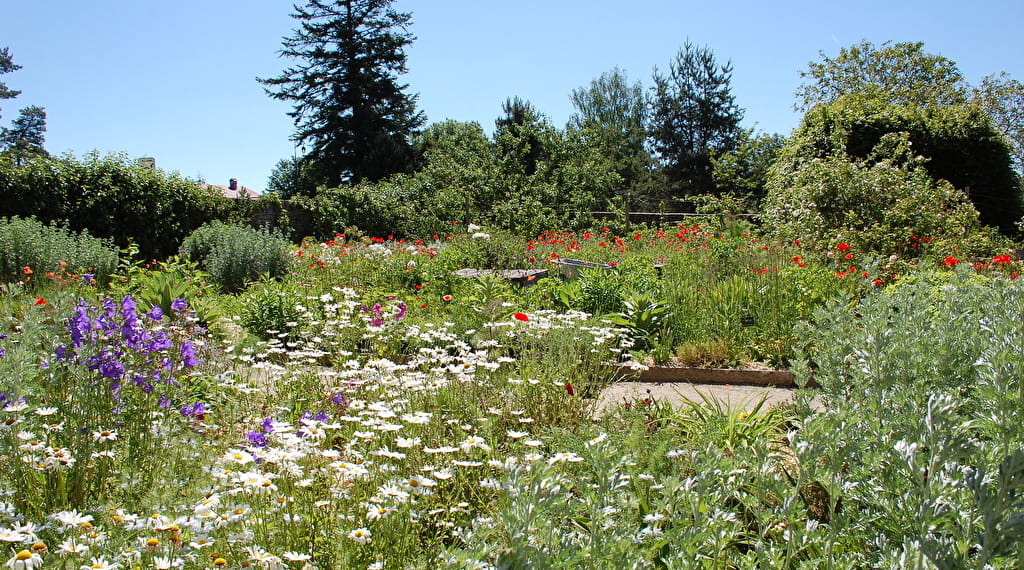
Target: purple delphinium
pixel 340 399
pixel 179 305
pixel 257 438
pixel 156 313
pixel 196 410
pixel 188 355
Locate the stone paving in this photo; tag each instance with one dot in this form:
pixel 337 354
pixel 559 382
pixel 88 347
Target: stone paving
pixel 679 393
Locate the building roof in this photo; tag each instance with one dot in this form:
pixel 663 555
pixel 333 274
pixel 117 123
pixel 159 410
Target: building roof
pixel 241 192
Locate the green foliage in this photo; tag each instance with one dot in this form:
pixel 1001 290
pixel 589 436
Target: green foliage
pixel 613 112
pixel 899 73
pixel 468 179
pixel 7 65
pixel 873 208
pixel 112 197
pixel 601 291
pixel 291 177
pixel 644 315
pixel 270 310
pixel 25 138
pixel 694 117
pixel 359 128
pixel 43 249
pixel 745 169
pixel 868 170
pixel 1002 98
pixel 159 284
pixel 920 378
pixel 237 255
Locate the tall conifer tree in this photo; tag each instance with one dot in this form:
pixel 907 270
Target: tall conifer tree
pixel 350 110
pixel 694 117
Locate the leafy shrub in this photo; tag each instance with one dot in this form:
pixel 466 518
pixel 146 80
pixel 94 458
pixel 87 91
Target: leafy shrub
pixel 958 143
pixel 919 433
pixel 881 208
pixel 236 255
pixel 270 309
pixel 29 248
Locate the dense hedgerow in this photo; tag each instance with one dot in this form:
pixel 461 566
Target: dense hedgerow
pixel 31 250
pixel 236 255
pixel 113 197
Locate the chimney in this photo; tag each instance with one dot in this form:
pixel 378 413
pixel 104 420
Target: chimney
pixel 233 184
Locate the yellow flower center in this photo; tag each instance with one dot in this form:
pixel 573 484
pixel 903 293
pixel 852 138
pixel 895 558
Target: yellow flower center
pixel 23 555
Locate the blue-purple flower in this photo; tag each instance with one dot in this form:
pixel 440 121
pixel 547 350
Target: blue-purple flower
pixel 196 410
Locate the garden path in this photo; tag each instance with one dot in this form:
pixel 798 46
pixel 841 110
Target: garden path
pixel 679 393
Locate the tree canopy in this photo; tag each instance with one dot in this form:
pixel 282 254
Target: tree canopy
pixel 7 65
pixel 901 73
pixel 612 112
pixel 349 107
pixel 694 117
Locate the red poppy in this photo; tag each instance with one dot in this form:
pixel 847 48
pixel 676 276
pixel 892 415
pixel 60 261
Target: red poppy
pixel 1002 259
pixel 950 261
pixel 569 389
pixel 446 298
pixel 40 301
pixel 520 317
pixel 843 247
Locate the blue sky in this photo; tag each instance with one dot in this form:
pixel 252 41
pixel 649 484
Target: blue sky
pixel 176 80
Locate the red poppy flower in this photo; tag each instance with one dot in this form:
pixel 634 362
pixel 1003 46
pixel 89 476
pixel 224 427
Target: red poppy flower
pixel 843 247
pixel 569 389
pixel 1002 259
pixel 950 261
pixel 446 298
pixel 520 317
pixel 40 301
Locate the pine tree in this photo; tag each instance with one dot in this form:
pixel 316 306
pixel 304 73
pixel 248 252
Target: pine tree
pixel 349 108
pixel 7 65
pixel 694 117
pixel 25 138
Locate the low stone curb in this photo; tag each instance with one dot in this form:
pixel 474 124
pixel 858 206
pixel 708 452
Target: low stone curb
pixel 669 374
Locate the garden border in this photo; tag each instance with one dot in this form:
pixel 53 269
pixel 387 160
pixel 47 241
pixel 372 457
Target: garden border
pixel 693 375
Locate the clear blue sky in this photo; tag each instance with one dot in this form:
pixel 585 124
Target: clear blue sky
pixel 176 79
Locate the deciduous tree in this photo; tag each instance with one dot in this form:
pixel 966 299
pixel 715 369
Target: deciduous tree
pixel 901 73
pixel 612 112
pixel 1002 98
